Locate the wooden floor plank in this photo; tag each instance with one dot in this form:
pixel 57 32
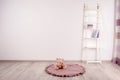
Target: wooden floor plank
pixel 35 71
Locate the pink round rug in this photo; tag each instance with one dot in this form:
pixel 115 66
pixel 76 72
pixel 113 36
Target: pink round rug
pixel 70 71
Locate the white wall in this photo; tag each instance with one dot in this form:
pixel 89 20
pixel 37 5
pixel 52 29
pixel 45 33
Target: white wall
pixel 46 29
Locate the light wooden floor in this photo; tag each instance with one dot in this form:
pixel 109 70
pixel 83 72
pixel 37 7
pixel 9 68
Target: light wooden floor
pixel 35 71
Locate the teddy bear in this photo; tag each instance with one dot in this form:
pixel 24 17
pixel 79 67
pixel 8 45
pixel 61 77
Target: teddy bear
pixel 60 63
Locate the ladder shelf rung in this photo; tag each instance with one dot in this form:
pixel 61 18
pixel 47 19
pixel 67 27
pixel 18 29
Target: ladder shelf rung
pixel 91 10
pixel 91 38
pixel 91 16
pixel 91 22
pixel 94 61
pixel 90 48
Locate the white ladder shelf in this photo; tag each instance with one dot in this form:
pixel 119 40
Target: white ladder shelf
pixel 91 31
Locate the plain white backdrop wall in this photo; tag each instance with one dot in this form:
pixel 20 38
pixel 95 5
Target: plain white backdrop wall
pixel 46 29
